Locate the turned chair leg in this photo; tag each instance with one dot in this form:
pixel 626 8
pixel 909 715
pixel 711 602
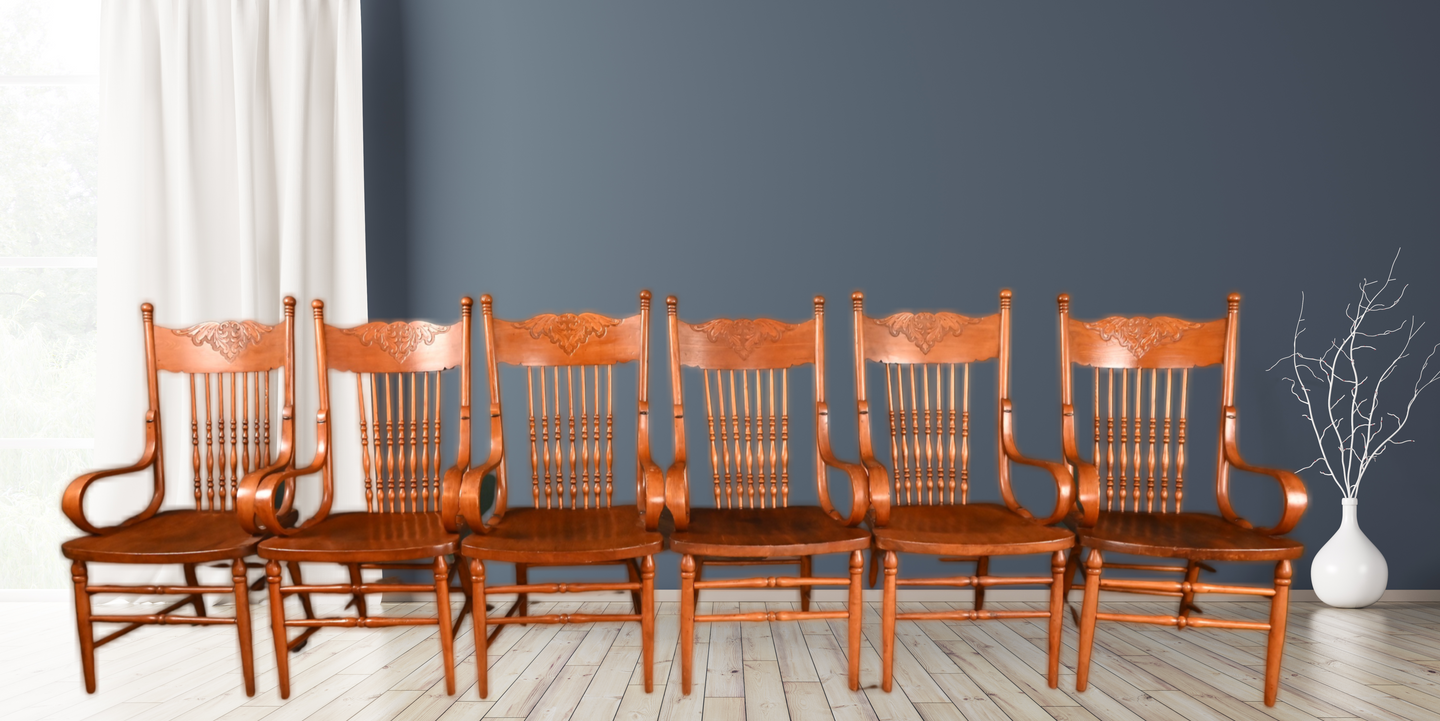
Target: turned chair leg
pixel 522 599
pixel 242 624
pixel 888 603
pixel 1275 646
pixel 1089 608
pixel 294 568
pixel 277 626
pixel 1072 564
pixel 687 620
pixel 197 600
pixel 647 620
pixel 477 596
pixel 357 597
pixel 462 575
pixel 83 625
pixel 442 621
pixel 982 568
pixel 1187 599
pixel 633 571
pixel 874 562
pixel 1058 580
pixel 857 614
pixel 805 590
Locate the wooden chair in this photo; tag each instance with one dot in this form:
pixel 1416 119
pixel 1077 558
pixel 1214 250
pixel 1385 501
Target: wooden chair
pixel 1138 510
pixel 235 369
pixel 398 369
pixel 573 519
pixel 927 507
pixel 752 522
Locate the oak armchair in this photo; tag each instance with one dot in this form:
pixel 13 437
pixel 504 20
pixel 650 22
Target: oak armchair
pixel 1138 508
pixel 752 521
pixel 923 506
pixel 236 372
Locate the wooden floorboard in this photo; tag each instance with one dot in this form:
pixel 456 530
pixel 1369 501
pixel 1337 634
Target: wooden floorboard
pixel 1379 663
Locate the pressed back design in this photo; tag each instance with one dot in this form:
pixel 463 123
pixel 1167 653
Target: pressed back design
pixel 926 357
pixel 1140 383
pixel 569 361
pixel 745 367
pixel 399 370
pixel 236 371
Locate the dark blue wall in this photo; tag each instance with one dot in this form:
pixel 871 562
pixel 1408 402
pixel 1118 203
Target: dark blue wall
pixel 1146 158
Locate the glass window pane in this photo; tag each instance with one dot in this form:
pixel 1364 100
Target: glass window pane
pixel 49 37
pixel 47 348
pixel 31 524
pixel 48 169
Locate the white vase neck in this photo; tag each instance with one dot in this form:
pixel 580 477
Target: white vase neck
pixel 1349 512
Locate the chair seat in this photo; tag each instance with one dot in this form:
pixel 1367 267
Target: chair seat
pixel 365 537
pixel 565 535
pixel 1195 536
pixel 168 537
pixel 766 533
pixel 972 529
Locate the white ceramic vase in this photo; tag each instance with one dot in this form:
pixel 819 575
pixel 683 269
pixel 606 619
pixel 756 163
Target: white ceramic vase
pixel 1349 571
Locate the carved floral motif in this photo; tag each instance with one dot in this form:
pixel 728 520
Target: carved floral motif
pixel 567 330
pixel 925 330
pixel 742 334
pixel 227 337
pixel 1140 335
pixel 399 339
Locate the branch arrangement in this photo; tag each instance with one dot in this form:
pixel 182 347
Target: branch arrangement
pixel 1343 406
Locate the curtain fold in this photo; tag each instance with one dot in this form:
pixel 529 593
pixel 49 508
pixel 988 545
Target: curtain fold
pixel 231 175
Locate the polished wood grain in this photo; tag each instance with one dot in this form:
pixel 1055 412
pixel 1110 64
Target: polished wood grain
pixel 1139 509
pixel 409 504
pixel 235 363
pixel 745 366
pixel 920 501
pixel 569 361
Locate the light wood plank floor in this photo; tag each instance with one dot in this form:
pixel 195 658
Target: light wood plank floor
pixel 1377 663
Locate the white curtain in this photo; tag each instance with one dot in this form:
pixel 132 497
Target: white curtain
pixel 231 175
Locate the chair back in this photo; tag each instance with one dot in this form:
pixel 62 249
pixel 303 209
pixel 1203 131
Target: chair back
pixel 1141 454
pixel 236 370
pixel 569 361
pixel 398 370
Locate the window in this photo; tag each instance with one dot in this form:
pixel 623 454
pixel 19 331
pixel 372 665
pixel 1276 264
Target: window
pixel 49 128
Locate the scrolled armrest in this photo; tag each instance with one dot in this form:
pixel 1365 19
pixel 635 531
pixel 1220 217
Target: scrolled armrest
pixel 470 508
pixel 1087 476
pixel 1291 487
pixel 677 493
pixel 1064 483
pixel 879 483
pixel 859 480
pixel 73 502
pixel 652 479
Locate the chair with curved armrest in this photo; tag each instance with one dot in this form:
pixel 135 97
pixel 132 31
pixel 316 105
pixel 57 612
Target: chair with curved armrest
pixel 231 366
pixel 574 518
pixel 1139 511
pixel 923 506
pixel 752 521
pixel 398 370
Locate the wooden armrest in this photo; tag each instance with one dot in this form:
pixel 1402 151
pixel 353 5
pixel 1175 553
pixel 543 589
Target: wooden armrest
pixel 879 490
pixel 1087 476
pixel 470 507
pixel 1064 483
pixel 859 480
pixel 1291 487
pixel 651 493
pixel 73 502
pixel 677 493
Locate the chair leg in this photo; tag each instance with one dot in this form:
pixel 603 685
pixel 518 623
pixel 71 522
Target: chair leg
pixel 805 590
pixel 1057 616
pixel 699 574
pixel 242 624
pixel 83 625
pixel 1187 599
pixel 522 599
pixel 888 604
pixel 357 597
pixel 197 600
pixel 647 620
pixel 982 568
pixel 477 596
pixel 462 574
pixel 277 626
pixel 633 571
pixel 857 613
pixel 1089 608
pixel 1072 564
pixel 874 562
pixel 687 620
pixel 442 621
pixel 1275 646
pixel 294 568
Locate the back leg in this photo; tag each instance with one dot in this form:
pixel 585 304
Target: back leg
pixel 83 625
pixel 193 580
pixel 805 590
pixel 357 597
pixel 982 568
